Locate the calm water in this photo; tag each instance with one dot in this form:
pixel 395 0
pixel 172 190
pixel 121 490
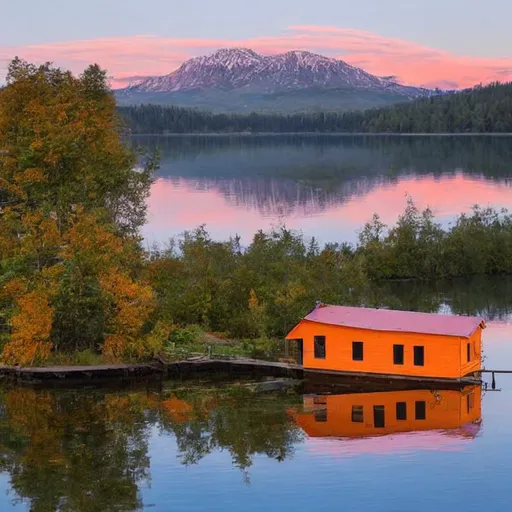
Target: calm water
pixel 191 446
pixel 200 446
pixel 327 186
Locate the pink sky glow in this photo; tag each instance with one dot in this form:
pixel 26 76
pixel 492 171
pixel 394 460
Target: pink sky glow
pixel 435 440
pixel 170 213
pixel 147 55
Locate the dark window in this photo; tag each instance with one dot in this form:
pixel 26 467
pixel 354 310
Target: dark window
pixel 468 351
pixel 470 403
pixel 398 354
pixel 401 410
pixel 357 414
pixel 321 415
pixel 319 400
pixel 378 416
pixel 357 351
pixel 319 347
pixel 421 410
pixel 419 356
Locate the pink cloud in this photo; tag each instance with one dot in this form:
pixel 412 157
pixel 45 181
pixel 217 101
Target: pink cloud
pixel 145 55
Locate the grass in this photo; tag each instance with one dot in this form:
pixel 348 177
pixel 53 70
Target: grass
pixel 194 341
pixel 82 358
pixel 184 343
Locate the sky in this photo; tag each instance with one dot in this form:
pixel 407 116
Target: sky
pixel 445 43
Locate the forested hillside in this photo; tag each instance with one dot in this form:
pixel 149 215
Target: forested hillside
pixel 478 110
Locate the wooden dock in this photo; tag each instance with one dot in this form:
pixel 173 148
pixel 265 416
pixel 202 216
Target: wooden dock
pixel 221 368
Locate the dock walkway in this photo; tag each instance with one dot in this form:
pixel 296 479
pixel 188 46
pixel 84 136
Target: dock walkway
pixel 200 367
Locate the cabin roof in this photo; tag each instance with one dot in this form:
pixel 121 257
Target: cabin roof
pixel 399 321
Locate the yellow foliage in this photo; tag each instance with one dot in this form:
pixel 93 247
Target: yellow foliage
pixel 31 328
pixel 131 304
pixel 15 288
pixel 41 233
pixel 114 347
pixel 88 236
pixel 32 175
pixel 68 230
pixel 253 300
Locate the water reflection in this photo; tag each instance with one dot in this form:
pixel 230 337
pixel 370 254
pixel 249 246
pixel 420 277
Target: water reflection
pixel 203 424
pixel 326 185
pixel 488 297
pixel 87 450
pixel 75 450
pixel 406 420
pixel 176 447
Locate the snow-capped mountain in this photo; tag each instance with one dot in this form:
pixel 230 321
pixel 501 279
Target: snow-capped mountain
pixel 243 69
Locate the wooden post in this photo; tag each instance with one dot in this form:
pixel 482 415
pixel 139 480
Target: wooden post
pixel 286 349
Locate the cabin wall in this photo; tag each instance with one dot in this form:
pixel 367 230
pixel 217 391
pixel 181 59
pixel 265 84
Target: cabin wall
pixel 475 353
pixel 332 415
pixel 442 354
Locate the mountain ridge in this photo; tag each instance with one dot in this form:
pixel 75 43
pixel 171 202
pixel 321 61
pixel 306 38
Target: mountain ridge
pixel 232 68
pixel 244 74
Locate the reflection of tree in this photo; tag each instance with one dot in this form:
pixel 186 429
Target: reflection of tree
pixel 485 296
pixel 242 427
pixel 74 451
pixel 286 175
pixel 87 450
pixel 283 197
pixel 332 157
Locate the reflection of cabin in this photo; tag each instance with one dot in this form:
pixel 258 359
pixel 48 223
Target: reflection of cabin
pixel 179 410
pixel 386 342
pixel 371 414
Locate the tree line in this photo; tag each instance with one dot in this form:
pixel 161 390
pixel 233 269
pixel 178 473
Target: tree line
pixel 263 289
pixel 477 110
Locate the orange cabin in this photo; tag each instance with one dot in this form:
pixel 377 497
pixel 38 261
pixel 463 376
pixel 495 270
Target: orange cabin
pixel 382 413
pixel 386 342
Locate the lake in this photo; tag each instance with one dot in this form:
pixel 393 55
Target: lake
pixel 186 446
pixel 205 446
pixel 328 186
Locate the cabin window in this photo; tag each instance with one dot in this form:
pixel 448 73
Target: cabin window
pixel 379 420
pixel 401 410
pixel 470 403
pixel 468 352
pixel 319 347
pixel 320 415
pixel 419 356
pixel 421 410
pixel 357 351
pixel 398 354
pixel 357 414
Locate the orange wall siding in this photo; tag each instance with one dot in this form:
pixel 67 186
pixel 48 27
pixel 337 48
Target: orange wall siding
pixel 444 355
pixel 475 362
pixel 331 415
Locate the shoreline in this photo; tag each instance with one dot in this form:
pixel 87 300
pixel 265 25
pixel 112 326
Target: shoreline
pixel 320 134
pixel 220 368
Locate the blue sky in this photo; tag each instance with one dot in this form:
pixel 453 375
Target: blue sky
pixel 463 26
pixel 468 29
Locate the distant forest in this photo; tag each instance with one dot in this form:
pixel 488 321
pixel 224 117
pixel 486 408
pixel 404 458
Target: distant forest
pixel 478 110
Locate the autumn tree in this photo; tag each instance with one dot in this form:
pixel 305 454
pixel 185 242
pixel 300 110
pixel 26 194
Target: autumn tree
pixel 72 201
